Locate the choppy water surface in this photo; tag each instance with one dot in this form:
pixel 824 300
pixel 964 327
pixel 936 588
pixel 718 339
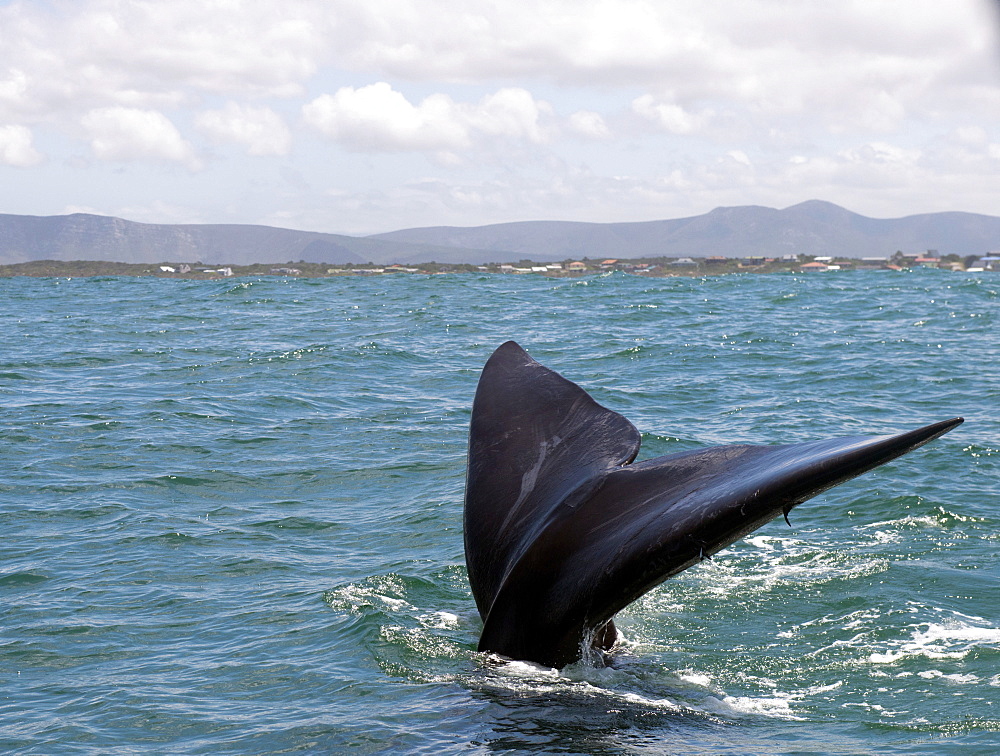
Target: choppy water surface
pixel 231 516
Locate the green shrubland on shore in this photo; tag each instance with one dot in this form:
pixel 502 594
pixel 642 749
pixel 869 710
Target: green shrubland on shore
pixel 653 266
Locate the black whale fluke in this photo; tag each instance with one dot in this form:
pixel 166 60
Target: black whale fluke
pixel 562 532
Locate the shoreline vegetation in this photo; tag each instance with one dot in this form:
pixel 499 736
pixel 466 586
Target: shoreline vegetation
pixel 654 266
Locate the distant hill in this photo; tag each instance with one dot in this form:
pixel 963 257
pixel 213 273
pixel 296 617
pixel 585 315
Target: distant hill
pixel 24 238
pixel 814 227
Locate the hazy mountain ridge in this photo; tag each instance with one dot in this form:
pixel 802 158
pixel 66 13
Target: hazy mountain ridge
pixel 24 238
pixel 813 227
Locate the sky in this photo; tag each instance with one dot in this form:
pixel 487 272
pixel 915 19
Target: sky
pixel 363 116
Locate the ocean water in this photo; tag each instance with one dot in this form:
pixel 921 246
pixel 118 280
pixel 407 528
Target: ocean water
pixel 231 516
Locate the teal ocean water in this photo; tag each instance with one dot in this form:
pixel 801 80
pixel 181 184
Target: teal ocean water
pixel 231 516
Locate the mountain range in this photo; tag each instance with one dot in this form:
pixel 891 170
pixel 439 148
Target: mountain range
pixel 813 227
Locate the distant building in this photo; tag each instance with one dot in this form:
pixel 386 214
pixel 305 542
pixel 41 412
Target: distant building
pixel 814 267
pixel 990 262
pixel 577 266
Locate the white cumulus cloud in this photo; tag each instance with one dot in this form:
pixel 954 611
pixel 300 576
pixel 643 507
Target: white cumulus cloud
pixel 125 134
pixel 587 123
pixel 740 157
pixel 668 115
pixel 16 148
pixel 260 130
pixel 378 118
pixel 510 113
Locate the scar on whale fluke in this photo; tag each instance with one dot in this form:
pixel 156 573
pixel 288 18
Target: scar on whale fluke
pixel 562 531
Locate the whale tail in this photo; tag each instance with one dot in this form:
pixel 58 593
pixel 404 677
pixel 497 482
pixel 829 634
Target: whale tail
pixel 562 531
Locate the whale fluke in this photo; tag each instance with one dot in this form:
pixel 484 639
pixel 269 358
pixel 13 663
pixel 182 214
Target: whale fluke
pixel 562 531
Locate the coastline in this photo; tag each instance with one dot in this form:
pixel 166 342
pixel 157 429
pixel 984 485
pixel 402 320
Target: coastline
pixel 660 267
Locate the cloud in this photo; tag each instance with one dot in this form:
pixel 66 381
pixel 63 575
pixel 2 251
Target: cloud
pixel 126 134
pixel 881 153
pixel 588 124
pixel 94 53
pixel 740 157
pixel 377 118
pixel 666 102
pixel 16 149
pixel 510 113
pixel 668 116
pixel 766 54
pixel 13 91
pixel 859 67
pixel 260 130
